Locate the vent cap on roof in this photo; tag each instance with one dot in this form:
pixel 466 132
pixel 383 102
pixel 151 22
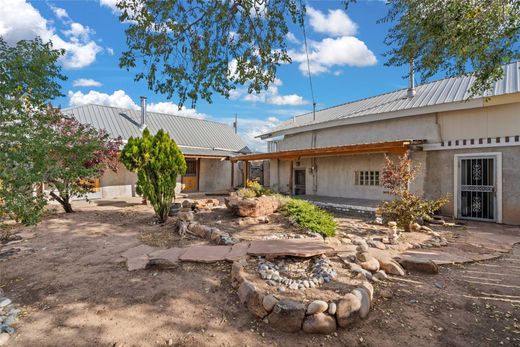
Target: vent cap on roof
pixel 142 124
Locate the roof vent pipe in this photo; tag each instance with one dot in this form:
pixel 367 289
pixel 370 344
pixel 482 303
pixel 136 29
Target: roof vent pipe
pixel 142 124
pixel 411 83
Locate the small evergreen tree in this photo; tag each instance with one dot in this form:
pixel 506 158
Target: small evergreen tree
pixel 158 161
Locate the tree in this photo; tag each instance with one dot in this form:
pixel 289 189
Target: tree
pixel 158 161
pixel 455 36
pixel 407 207
pixel 29 76
pixel 79 154
pixel 195 48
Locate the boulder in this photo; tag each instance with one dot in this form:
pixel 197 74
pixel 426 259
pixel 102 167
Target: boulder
pixel 256 207
pixel 317 306
pixel 319 323
pixel 187 204
pixel 421 265
pixel 237 274
pixel 202 231
pixel 287 316
pixel 390 266
pixel 415 227
pixel 347 309
pixel 269 302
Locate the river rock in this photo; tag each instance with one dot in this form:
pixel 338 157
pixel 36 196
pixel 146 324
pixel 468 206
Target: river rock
pixel 332 308
pixel 186 216
pixel 244 292
pixel 255 304
pixel 4 302
pixel 319 323
pixel 4 337
pixel 347 309
pixel 287 315
pixel 371 264
pixel 317 306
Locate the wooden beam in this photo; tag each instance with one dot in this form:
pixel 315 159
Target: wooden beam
pixel 328 151
pixel 245 173
pixel 198 174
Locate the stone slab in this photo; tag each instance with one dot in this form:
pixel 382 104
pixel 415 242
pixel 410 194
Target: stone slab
pixel 166 257
pixel 238 251
pixel 137 257
pixel 291 247
pixel 205 254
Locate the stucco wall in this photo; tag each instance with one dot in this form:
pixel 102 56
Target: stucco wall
pixel 440 178
pixel 491 121
pixel 118 184
pixel 214 175
pixel 409 128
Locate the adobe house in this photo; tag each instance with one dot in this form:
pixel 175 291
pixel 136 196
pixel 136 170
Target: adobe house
pixel 469 149
pixel 206 145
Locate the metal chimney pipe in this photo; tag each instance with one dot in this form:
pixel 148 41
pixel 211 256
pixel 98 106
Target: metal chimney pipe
pixel 143 112
pixel 411 82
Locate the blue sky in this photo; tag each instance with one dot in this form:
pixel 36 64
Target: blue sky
pixel 346 59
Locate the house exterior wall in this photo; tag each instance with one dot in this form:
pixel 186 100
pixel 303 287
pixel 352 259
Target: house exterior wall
pixel 410 128
pixel 214 175
pixel 118 184
pixel 491 121
pixel 439 178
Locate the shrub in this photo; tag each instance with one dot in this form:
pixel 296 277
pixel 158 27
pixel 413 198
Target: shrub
pixel 246 193
pixel 310 216
pixel 157 161
pixel 253 190
pixel 406 207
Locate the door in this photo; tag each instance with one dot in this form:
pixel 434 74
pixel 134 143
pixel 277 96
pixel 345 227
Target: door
pixel 299 182
pixel 477 188
pixel 190 179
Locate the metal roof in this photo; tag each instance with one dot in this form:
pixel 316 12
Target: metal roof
pixel 195 136
pixel 449 92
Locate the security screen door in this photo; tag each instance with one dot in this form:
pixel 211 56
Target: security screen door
pixel 477 188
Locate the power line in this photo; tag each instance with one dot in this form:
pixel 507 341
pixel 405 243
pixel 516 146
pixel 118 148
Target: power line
pixel 308 65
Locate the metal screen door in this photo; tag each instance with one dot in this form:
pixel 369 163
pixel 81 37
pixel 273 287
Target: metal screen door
pixel 477 188
pixel 299 182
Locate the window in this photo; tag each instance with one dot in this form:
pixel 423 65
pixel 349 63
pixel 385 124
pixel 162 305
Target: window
pixel 366 178
pixel 191 167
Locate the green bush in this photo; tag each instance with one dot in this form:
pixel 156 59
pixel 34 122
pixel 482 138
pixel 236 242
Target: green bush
pixel 246 193
pixel 310 216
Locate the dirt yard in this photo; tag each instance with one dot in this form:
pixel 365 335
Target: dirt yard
pixel 74 290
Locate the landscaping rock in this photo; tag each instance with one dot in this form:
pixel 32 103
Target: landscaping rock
pixel 319 323
pixel 137 257
pixel 245 290
pixel 369 288
pixel 392 224
pixel 363 256
pixel 255 304
pixel 4 302
pixel 347 309
pixel 269 302
pixel 362 247
pixel 421 265
pixel 256 207
pixel 391 267
pixel 287 315
pixel 371 264
pixel 166 257
pixel 364 296
pixel 380 275
pixel 332 308
pixel 202 231
pixel 237 274
pixel 317 306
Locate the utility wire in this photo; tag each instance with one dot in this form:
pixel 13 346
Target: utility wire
pixel 308 65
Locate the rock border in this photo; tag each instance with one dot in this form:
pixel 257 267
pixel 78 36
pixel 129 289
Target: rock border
pixel 318 317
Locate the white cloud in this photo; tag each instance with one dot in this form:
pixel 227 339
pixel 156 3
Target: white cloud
pixel 59 12
pixel 270 96
pixel 291 38
pixel 110 50
pixel 331 52
pixel 119 98
pixel 336 23
pixel 86 82
pixel 20 20
pixel 111 4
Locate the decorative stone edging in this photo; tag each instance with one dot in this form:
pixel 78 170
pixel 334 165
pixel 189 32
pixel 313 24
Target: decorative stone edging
pixel 318 317
pixel 320 273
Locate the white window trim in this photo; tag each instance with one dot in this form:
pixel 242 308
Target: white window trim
pixel 456 157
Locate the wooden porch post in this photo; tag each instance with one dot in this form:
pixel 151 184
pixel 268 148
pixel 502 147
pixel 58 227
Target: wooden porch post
pixel 232 175
pixel 246 173
pixel 198 174
pixel 291 178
